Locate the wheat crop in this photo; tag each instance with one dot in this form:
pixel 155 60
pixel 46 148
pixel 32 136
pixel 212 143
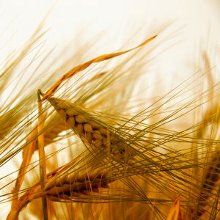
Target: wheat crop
pixel 107 136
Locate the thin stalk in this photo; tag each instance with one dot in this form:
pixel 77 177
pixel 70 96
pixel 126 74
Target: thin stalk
pixel 42 159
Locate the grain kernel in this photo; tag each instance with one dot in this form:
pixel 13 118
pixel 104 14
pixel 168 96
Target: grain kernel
pixel 97 143
pixel 62 112
pixel 71 112
pixel 94 125
pixel 97 135
pixel 88 137
pixel 79 128
pixel 103 131
pixel 80 119
pixel 87 128
pixel 71 121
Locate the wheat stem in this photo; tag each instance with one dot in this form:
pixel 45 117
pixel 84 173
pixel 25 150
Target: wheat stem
pixel 27 154
pixel 42 159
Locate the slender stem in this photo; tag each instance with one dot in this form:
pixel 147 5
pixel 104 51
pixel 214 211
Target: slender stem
pixel 42 159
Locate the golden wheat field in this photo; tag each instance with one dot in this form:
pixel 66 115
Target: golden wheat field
pixel 109 110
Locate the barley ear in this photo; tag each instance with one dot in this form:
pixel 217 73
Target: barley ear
pixel 93 131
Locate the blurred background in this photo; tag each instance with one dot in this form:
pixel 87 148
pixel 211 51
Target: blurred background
pixel 111 25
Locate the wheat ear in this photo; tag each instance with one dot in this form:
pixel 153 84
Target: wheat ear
pixel 64 187
pixel 91 130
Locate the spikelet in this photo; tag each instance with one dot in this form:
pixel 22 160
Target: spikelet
pixel 64 188
pixel 74 184
pixel 92 130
